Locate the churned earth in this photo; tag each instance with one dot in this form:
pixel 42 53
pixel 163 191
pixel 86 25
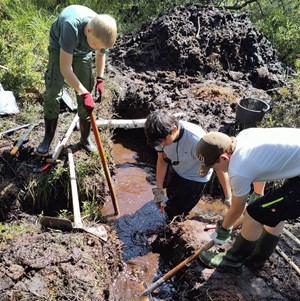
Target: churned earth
pixel 191 60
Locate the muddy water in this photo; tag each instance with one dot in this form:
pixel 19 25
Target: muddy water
pixel 140 220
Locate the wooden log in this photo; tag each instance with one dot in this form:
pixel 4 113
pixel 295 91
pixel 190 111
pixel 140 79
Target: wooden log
pixel 124 123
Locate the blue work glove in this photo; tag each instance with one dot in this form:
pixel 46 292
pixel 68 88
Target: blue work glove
pixel 221 235
pixel 159 197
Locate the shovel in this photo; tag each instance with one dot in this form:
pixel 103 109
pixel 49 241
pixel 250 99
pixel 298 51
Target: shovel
pixel 146 294
pixel 66 225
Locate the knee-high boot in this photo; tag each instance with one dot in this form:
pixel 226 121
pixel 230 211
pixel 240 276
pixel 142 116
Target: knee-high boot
pixel 85 131
pixel 50 128
pixel 232 258
pixel 263 250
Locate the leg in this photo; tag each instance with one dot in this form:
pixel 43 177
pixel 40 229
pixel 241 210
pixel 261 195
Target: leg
pixel 54 82
pixel 82 66
pixel 183 194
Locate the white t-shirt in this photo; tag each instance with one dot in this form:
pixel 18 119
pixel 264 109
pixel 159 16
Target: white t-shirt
pixel 189 165
pixel 264 154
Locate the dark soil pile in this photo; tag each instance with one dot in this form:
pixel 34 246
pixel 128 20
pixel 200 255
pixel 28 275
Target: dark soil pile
pixel 194 60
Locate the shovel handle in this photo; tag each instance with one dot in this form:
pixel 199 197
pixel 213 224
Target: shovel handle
pixel 21 141
pixel 104 163
pixel 172 272
pixel 75 200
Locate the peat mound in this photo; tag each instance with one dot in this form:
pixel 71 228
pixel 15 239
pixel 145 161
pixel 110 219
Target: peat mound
pixel 195 60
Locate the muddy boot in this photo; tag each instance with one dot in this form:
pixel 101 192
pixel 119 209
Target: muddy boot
pixel 234 258
pixel 50 128
pixel 85 140
pixel 263 250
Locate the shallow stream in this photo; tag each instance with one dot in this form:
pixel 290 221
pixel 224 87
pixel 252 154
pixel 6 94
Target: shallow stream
pixel 140 221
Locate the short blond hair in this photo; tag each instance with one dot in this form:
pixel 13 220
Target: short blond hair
pixel 104 28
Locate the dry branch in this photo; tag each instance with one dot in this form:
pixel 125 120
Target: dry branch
pixel 288 260
pixel 292 236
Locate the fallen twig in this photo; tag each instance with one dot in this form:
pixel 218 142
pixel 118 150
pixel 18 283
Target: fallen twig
pixel 288 260
pixel 292 236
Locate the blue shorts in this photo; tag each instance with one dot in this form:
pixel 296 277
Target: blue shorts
pixel 277 205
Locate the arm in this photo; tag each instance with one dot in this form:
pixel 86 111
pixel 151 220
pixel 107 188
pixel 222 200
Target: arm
pixel 224 181
pixel 236 210
pixel 65 60
pixel 100 63
pixel 161 170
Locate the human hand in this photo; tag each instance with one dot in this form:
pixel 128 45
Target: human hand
pixel 99 88
pixel 88 102
pixel 159 197
pixel 227 201
pixel 221 234
pixel 253 197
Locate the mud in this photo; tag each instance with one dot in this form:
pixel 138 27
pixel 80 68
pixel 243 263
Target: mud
pixel 194 60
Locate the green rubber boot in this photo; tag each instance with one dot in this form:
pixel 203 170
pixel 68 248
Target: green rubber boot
pixel 232 258
pixel 50 128
pixel 263 250
pixel 85 131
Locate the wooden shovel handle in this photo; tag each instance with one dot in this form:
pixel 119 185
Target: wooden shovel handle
pixel 181 265
pixel 188 260
pixel 74 190
pixel 104 163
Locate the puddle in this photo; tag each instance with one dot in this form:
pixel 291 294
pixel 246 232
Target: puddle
pixel 140 220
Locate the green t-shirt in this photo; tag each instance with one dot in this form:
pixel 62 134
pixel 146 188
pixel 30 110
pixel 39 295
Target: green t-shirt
pixel 67 31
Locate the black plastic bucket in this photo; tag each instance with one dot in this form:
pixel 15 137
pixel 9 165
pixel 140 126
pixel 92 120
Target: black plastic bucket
pixel 250 111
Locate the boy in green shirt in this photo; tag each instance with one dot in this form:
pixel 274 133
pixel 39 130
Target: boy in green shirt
pixel 74 35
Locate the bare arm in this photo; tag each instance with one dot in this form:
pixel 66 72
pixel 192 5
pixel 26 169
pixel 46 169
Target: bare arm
pixel 236 210
pixel 100 63
pixel 67 72
pixel 161 170
pixel 224 181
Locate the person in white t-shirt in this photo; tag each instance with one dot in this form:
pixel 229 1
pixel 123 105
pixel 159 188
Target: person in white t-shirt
pixel 177 165
pixel 255 155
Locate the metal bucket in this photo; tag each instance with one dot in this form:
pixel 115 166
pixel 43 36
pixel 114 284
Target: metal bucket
pixel 250 111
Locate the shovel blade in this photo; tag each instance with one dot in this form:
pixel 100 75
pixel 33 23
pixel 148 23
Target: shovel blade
pixel 141 287
pixel 98 231
pixel 56 223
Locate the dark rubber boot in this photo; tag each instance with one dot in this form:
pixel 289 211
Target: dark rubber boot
pixel 233 258
pixel 50 128
pixel 85 140
pixel 263 250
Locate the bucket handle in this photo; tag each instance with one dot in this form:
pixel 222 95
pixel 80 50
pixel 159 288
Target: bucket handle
pixel 266 109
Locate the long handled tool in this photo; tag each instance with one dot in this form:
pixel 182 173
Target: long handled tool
pixel 168 275
pixel 9 131
pixel 97 230
pixel 21 141
pixel 67 225
pixel 104 163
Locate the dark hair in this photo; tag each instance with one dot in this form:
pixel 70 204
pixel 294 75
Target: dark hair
pixel 158 126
